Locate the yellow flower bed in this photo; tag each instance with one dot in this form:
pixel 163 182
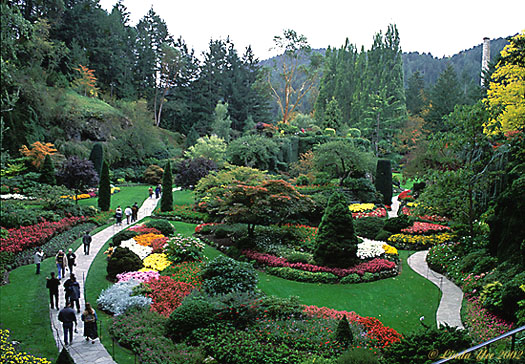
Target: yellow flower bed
pixel 421 239
pixel 390 249
pixel 361 207
pixel 146 239
pixel 77 197
pixel 156 261
pixel 9 355
pixel 412 204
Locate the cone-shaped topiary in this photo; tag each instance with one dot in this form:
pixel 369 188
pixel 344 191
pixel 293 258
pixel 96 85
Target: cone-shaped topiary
pixel 97 157
pixel 47 173
pixel 166 201
pixel 343 334
pixel 64 357
pixel 122 260
pixel 336 240
pixel 104 188
pixel 384 180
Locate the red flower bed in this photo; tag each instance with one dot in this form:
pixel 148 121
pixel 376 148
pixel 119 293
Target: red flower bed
pixel 373 266
pixel 379 212
pixel 435 218
pixel 405 194
pixel 158 244
pixel 188 272
pixel 167 294
pixel 375 329
pixel 27 237
pixel 141 229
pixel 424 228
pixel 198 228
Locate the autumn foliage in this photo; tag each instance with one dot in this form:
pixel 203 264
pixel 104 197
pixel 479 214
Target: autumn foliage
pixel 87 81
pixel 38 152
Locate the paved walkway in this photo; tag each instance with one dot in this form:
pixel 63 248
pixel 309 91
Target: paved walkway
pixel 83 351
pixel 450 305
pixel 394 208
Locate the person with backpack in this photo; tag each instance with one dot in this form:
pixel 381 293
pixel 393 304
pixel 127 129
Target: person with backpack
pixel 89 317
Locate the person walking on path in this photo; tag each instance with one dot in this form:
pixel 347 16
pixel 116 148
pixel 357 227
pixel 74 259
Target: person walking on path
pixel 61 261
pixel 39 256
pixel 128 213
pixel 89 317
pixel 72 289
pixel 67 317
pixel 157 191
pixel 134 212
pixel 71 260
pixel 86 240
pixel 52 285
pixel 150 191
pixel 118 215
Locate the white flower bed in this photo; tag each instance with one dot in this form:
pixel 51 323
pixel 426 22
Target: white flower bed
pixel 117 299
pixel 15 196
pixel 140 250
pixel 370 249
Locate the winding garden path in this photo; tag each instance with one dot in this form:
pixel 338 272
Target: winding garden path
pixel 83 351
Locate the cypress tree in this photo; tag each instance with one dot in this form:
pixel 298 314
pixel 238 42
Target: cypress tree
pixel 336 240
pixel 64 357
pixel 97 157
pixel 384 180
pixel 47 173
pixel 343 334
pixel 104 188
pixel 166 201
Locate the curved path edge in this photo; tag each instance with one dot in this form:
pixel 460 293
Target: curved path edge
pixel 449 310
pixel 83 351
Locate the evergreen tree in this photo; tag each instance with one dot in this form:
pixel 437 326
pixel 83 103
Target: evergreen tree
pixel 104 188
pixel 415 94
pixel 47 173
pixel 336 240
pixel 343 333
pixel 166 201
pixel 97 157
pixel 444 96
pixel 64 357
pixel 333 117
pixel 222 123
pixel 384 180
pixel 191 138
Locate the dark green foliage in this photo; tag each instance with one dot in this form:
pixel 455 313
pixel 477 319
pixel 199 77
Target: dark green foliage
pixel 368 227
pixel 97 157
pixel 395 224
pixel 15 214
pixel 302 180
pixel 384 180
pixel 414 348
pixel 415 96
pixel 361 189
pixel 104 188
pixel 443 97
pixel 191 138
pixel 333 118
pixel 336 240
pixel 122 260
pixel 357 356
pixel 195 312
pixel 280 308
pixel 162 225
pixel 343 334
pixel 166 201
pixel 190 171
pixel 298 275
pixel 121 236
pixel 47 173
pixel 224 275
pixel 383 235
pixel 64 357
pixel 253 151
pixel 77 173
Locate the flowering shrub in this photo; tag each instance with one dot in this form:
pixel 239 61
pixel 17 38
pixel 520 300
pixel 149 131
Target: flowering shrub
pixel 422 228
pixel 156 261
pixel 406 241
pixel 146 239
pixel 141 251
pixel 375 330
pixel 181 248
pixel 138 276
pixel 306 234
pixel 361 207
pixel 434 218
pixel 378 212
pixel 35 235
pixel 373 266
pixel 117 298
pixel 9 355
pixel 370 249
pixel 199 227
pixel 167 294
pixel 482 324
pixel 142 229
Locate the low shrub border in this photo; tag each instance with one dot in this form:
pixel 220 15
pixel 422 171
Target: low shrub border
pixel 184 213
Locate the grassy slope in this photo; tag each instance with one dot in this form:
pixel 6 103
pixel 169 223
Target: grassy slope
pixel 126 197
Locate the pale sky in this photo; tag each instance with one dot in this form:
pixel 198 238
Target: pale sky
pixel 441 27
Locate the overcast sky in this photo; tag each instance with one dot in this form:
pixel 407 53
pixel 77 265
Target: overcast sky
pixel 441 27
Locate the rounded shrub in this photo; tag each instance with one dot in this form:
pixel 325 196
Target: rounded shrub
pixel 195 312
pixel 162 225
pixel 383 235
pixel 357 356
pixel 395 224
pixel 122 260
pixel 351 278
pixel 368 227
pixel 121 236
pixel 302 180
pixel 224 275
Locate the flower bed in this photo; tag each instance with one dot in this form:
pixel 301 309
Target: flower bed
pixel 146 239
pixel 482 324
pixel 9 354
pixel 406 241
pixel 405 195
pixel 374 328
pixel 166 294
pixel 187 272
pixel 142 277
pixel 143 229
pixel 372 249
pixel 198 228
pixel 373 266
pixel 378 212
pixel 361 207
pixel 141 250
pixel 118 298
pixel 433 218
pixel 35 235
pixel 156 261
pixel 423 228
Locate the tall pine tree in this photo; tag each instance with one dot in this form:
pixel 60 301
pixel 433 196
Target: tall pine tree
pixel 166 201
pixel 104 188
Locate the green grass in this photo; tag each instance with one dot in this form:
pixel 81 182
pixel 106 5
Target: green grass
pixel 407 185
pixel 183 197
pixel 127 196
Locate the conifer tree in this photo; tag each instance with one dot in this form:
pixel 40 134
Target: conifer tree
pixel 343 333
pixel 166 201
pixel 191 138
pixel 384 180
pixel 333 117
pixel 97 156
pixel 104 188
pixel 47 175
pixel 336 240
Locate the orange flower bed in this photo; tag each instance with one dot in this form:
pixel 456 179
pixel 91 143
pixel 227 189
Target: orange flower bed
pixel 146 239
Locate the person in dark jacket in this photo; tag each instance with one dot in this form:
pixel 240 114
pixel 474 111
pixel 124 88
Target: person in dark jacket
pixel 61 261
pixel 72 288
pixel 86 240
pixel 52 285
pixel 71 260
pixel 134 212
pixel 67 317
pixel 89 317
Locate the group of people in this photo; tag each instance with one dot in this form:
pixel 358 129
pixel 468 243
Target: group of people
pixel 131 214
pixel 158 191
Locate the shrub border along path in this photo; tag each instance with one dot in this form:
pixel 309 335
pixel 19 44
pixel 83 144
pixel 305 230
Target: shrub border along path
pixel 83 351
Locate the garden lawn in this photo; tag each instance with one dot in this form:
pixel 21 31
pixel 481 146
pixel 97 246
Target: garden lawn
pixel 183 197
pixel 408 183
pixel 127 196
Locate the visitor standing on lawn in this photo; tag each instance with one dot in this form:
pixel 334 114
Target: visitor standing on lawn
pixel 61 261
pixel 71 260
pixel 39 256
pixel 52 285
pixel 89 317
pixel 86 240
pixel 67 317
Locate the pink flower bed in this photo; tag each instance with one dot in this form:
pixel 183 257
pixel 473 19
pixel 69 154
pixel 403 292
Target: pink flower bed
pixel 198 228
pixel 435 218
pixel 373 266
pixel 141 229
pixel 482 324
pixel 27 237
pixel 379 212
pixel 375 329
pixel 424 228
pixel 138 276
